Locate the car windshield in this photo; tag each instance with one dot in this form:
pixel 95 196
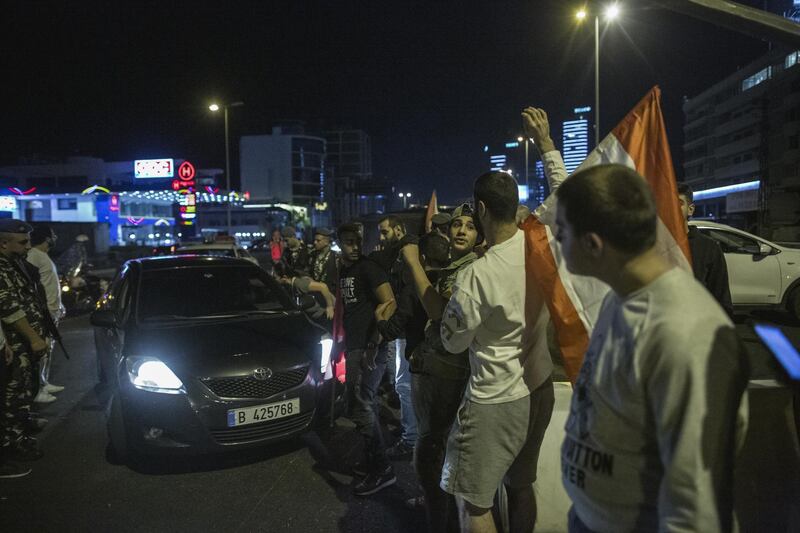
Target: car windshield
pixel 216 252
pixel 208 291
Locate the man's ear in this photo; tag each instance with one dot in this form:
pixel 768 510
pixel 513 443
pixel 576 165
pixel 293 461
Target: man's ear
pixel 593 244
pixel 691 209
pixel 481 209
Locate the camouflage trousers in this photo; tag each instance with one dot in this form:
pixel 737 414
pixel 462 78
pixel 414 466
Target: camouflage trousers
pixel 17 398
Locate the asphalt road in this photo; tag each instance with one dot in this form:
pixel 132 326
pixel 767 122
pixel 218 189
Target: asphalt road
pixel 75 487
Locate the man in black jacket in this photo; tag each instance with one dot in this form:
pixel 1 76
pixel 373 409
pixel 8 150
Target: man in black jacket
pixel 708 261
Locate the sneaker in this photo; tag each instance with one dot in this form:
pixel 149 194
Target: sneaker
pixel 10 470
pixel 400 451
pixel 44 397
pixel 53 388
pixel 416 503
pixel 375 482
pixel 360 469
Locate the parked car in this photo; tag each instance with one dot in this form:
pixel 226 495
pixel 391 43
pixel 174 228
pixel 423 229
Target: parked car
pixel 762 274
pixel 225 249
pixel 204 354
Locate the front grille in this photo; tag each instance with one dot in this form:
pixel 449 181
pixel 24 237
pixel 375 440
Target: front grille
pixel 250 387
pixel 264 430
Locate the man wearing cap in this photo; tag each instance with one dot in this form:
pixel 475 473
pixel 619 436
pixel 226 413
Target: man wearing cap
pixel 322 262
pixel 23 321
pixel 438 377
pixel 43 238
pixel 295 255
pixel 497 315
pixel 441 222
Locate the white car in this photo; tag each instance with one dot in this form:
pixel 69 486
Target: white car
pixel 761 273
pixel 218 250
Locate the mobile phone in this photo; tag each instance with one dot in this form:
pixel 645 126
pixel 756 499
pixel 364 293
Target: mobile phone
pixel 781 347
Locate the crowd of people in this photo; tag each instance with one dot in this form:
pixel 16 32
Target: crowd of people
pixel 30 308
pixel 656 411
pixel 658 406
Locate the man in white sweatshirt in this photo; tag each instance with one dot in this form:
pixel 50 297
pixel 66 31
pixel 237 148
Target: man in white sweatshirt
pixel 651 435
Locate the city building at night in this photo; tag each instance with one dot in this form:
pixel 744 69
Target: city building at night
pixel 349 153
pixel 287 165
pixel 146 201
pixel 742 147
pixel 575 138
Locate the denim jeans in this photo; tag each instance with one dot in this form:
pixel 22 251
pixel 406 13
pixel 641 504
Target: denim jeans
pixel 362 386
pixel 402 384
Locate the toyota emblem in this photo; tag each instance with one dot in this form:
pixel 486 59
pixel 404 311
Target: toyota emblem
pixel 262 374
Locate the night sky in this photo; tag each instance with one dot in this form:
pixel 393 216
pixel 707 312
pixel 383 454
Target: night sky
pixel 431 82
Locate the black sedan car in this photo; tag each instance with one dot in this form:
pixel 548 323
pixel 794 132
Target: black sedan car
pixel 205 354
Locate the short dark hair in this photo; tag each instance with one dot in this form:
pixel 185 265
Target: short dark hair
pixel 348 227
pixel 393 221
pixel 498 191
pixel 613 201
pixel 684 189
pixel 41 234
pixel 435 247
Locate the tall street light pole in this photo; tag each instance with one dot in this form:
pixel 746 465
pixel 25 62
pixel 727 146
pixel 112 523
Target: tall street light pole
pixel 225 107
pixel 611 12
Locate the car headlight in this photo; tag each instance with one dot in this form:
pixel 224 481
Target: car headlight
pixel 326 347
pixel 150 374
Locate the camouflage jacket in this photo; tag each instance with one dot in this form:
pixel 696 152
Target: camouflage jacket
pixel 431 357
pixel 20 297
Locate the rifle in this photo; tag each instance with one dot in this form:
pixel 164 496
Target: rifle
pixel 40 299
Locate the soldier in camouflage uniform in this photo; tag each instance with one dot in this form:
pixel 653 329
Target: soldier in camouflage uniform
pixel 439 377
pixel 23 322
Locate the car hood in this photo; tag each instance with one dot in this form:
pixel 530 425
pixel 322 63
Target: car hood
pixel 230 347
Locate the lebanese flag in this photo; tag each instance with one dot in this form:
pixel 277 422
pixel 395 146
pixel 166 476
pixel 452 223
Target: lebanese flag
pixel 433 208
pixel 640 142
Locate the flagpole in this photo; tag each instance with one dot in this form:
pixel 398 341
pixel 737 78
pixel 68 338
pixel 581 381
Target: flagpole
pixel 596 81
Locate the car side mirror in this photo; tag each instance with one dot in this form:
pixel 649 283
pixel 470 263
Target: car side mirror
pixel 306 302
pixel 751 249
pixel 766 249
pixel 104 318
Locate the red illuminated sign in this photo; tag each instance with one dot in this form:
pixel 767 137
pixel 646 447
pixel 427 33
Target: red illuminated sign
pixel 186 171
pixel 114 205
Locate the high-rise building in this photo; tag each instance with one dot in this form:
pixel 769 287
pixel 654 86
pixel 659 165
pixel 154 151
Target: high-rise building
pixel 575 138
pixel 349 153
pixel 286 166
pixel 741 147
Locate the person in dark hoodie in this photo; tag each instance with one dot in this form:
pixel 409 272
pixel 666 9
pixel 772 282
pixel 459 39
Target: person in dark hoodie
pixel 708 261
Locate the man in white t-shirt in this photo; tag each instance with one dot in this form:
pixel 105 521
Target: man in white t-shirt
pixel 43 239
pixel 497 314
pixel 651 434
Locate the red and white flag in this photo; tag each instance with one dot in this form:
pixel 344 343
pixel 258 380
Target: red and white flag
pixel 433 208
pixel 640 142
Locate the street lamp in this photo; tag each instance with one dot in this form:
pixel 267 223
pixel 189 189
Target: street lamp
pixel 214 108
pixel 611 12
pixel 405 197
pixel 523 139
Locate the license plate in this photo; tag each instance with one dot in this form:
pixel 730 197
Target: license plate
pixel 263 413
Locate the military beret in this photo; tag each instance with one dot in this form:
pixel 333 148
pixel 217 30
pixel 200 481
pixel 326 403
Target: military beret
pixel 288 232
pixel 325 232
pixel 12 225
pixel 440 219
